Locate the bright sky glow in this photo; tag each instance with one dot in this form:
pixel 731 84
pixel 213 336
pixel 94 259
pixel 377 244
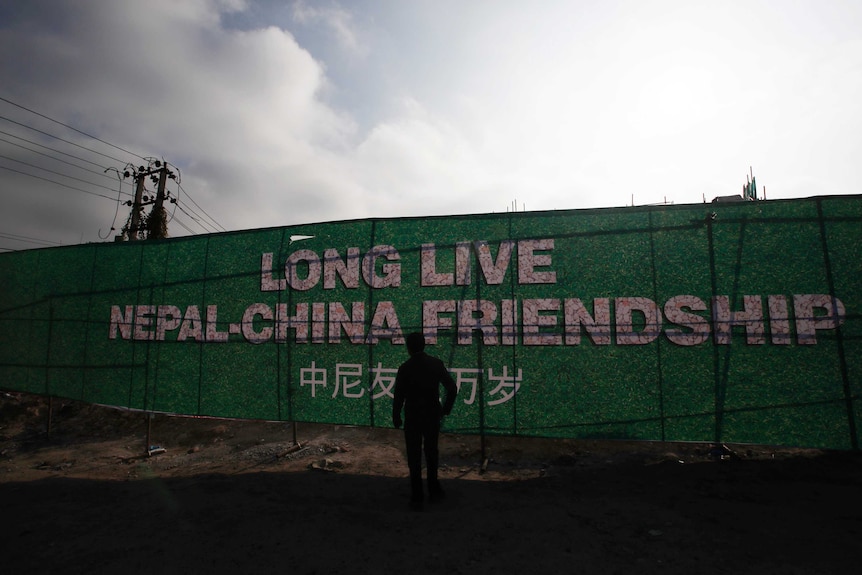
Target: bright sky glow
pixel 281 113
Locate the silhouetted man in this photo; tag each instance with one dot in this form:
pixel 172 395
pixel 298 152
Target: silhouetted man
pixel 417 391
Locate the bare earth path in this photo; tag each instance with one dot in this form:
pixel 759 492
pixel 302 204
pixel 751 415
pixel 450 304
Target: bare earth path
pixel 241 497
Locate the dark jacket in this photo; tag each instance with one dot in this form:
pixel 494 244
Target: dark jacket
pixel 417 389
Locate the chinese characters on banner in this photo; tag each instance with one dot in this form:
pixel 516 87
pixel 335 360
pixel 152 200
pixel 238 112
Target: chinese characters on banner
pixel 346 379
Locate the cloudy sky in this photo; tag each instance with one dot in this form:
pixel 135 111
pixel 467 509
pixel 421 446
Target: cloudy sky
pixel 279 113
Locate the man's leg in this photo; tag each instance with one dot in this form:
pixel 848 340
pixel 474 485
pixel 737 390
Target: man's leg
pixel 431 433
pixel 413 441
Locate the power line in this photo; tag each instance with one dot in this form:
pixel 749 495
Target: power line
pixel 47 148
pixel 205 221
pixel 56 182
pixel 56 159
pixel 217 225
pixel 11 121
pixel 182 225
pixel 197 221
pixel 70 127
pixel 57 173
pixel 28 239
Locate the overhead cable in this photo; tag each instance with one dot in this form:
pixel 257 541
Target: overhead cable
pixel 61 160
pixel 58 183
pixel 70 127
pixel 11 121
pixel 28 239
pixel 217 225
pixel 56 173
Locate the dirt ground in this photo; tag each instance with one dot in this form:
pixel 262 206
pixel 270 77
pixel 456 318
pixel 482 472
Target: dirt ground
pixel 241 497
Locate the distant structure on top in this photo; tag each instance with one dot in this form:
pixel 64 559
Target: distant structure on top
pixel 749 191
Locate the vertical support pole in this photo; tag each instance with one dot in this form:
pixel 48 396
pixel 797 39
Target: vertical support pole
pixel 157 222
pixel 48 367
pixel 149 433
pixel 50 414
pixel 658 344
pixel 160 194
pixel 839 334
pixel 716 357
pixel 481 390
pixel 135 224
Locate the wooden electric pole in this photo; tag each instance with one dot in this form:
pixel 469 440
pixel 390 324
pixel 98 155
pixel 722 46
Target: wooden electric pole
pixel 154 226
pixel 157 222
pixel 137 208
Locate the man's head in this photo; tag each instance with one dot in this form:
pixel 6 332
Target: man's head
pixel 415 343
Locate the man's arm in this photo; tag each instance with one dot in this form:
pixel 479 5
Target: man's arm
pixel 449 388
pixel 398 400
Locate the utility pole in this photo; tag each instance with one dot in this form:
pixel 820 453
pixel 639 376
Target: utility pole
pixel 157 223
pixel 137 208
pixel 154 226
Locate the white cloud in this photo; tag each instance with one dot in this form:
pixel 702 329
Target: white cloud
pixel 238 111
pixel 417 164
pixel 336 20
pixel 442 109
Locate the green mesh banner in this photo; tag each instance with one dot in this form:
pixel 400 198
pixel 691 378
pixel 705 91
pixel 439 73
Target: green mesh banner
pixel 713 322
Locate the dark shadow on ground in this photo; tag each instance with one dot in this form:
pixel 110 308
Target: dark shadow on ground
pixel 798 515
